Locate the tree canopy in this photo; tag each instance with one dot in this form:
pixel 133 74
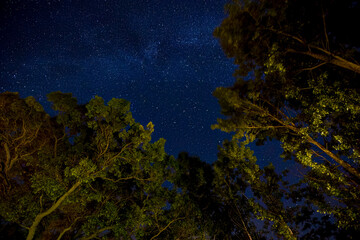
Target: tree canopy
pixel 297 82
pixel 87 172
pixel 91 171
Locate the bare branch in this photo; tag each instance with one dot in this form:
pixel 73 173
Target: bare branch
pixel 325 31
pixel 312 68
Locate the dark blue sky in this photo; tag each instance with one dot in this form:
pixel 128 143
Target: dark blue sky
pixel 160 55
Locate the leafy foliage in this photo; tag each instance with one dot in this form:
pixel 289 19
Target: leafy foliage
pixel 298 83
pixel 90 171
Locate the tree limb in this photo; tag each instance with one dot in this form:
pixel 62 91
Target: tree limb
pixel 126 178
pixel 329 58
pixel 40 216
pixel 7 151
pixel 97 233
pixel 294 129
pixel 166 227
pixel 67 229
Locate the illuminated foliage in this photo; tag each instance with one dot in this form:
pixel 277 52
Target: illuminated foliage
pixel 297 82
pixel 90 171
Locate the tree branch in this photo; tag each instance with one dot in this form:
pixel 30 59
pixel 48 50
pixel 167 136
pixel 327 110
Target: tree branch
pixel 7 151
pixel 312 68
pixel 40 216
pixel 329 58
pixel 344 164
pixel 127 178
pixel 291 127
pixel 67 229
pixel 97 233
pixel 166 227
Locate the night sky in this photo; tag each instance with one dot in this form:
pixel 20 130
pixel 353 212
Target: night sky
pixel 160 55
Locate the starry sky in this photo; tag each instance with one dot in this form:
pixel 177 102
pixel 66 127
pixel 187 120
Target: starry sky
pixel 158 54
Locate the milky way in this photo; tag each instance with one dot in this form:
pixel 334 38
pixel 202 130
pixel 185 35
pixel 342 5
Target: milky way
pixel 160 55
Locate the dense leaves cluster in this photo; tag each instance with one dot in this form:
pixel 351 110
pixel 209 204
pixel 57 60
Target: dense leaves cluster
pixel 90 171
pixel 298 83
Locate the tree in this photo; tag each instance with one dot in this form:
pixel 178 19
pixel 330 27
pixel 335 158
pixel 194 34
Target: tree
pixel 214 216
pixel 252 192
pixel 298 82
pixel 237 173
pixel 89 172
